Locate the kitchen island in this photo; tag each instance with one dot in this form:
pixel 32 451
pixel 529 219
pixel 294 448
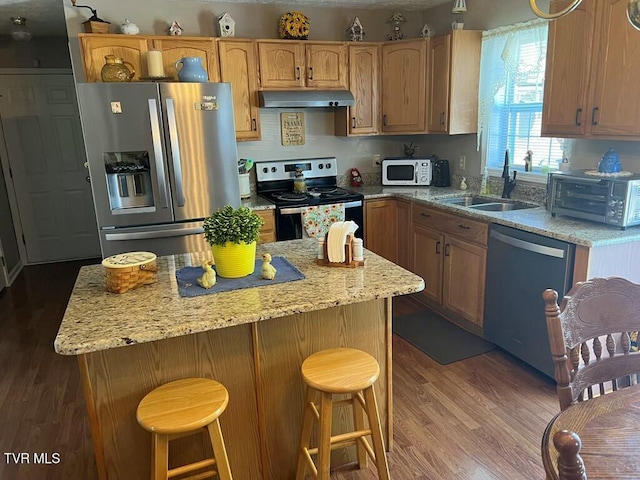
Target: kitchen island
pixel 252 340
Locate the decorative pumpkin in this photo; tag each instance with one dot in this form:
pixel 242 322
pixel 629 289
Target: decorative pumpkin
pixel 294 25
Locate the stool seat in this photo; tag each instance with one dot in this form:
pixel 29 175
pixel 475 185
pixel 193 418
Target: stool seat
pixel 182 406
pixel 325 370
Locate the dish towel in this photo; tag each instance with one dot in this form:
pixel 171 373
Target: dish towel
pixel 317 220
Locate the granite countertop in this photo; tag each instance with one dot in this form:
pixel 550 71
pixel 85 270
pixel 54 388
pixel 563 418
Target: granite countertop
pixel 536 220
pixel 256 202
pixel 98 320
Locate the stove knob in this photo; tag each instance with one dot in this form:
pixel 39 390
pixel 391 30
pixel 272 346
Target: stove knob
pixel 321 166
pixel 612 203
pixel 265 170
pixel 335 104
pixel 273 169
pixel 328 165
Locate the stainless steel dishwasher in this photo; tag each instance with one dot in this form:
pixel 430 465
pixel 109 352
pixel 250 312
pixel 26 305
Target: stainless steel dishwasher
pixel 520 266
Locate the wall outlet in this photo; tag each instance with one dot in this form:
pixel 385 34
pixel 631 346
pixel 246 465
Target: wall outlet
pixel 463 162
pixel 375 160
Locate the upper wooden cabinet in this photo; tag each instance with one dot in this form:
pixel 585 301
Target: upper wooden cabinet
pixel 454 72
pixel 175 48
pixel 94 47
pixel 591 77
pixel 132 48
pixel 238 66
pixel 302 64
pixel 364 82
pixel 404 88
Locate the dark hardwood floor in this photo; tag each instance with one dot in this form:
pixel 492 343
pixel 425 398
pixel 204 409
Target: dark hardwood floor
pixel 480 418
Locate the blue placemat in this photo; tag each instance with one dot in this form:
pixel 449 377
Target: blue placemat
pixel 188 286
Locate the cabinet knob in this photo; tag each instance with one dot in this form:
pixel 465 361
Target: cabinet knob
pixel 578 117
pixel 464 227
pixel 442 118
pixel 353 122
pixel 438 247
pixel 297 73
pixel 446 249
pixel 384 120
pixel 310 73
pixel 594 112
pixel 254 125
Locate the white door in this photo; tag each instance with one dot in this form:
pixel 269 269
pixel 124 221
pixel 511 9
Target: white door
pixel 43 137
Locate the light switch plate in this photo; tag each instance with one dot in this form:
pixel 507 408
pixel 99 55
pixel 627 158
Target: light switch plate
pixel 463 162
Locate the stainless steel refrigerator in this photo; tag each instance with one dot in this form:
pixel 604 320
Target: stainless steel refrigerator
pixel 161 157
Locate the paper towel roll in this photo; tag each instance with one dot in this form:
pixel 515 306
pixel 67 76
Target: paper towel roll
pixel 155 67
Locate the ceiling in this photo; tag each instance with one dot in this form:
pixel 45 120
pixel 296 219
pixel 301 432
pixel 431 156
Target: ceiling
pixel 46 17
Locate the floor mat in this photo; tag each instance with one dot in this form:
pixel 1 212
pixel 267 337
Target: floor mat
pixel 442 340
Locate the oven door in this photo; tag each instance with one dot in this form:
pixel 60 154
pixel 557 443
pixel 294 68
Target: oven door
pixel 289 221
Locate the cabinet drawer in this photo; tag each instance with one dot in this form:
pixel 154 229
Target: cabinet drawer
pixel 428 217
pixel 464 228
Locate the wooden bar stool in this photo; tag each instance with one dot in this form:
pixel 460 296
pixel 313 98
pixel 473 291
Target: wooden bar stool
pixel 340 371
pixel 182 408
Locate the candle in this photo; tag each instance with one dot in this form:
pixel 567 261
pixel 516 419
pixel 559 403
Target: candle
pixel 154 64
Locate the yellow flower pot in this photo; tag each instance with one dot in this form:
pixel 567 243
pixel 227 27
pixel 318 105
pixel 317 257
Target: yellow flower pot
pixel 234 260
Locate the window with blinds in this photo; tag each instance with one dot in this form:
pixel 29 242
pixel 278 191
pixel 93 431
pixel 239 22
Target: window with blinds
pixel 516 107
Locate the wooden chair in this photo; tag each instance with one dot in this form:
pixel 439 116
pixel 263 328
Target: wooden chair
pixel 340 371
pixel 570 463
pixel 180 408
pixel 601 310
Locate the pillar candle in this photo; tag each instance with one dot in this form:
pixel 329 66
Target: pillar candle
pixel 154 64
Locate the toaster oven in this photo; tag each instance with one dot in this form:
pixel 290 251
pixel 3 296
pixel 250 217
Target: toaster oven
pixel 604 199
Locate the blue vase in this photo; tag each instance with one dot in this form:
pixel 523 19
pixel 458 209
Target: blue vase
pixel 610 162
pixel 192 70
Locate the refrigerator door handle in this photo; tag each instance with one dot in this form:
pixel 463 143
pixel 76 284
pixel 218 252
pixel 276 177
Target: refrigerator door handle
pixel 154 234
pixel 157 152
pixel 175 150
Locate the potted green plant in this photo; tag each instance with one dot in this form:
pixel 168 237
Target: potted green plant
pixel 232 234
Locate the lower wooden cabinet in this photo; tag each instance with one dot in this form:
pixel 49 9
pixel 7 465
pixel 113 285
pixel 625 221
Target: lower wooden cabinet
pixel 404 254
pixel 381 227
pixel 268 230
pixel 450 254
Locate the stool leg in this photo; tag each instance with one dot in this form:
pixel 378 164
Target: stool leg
pixel 159 457
pixel 376 433
pixel 219 451
pixel 324 447
pixel 358 423
pixel 305 437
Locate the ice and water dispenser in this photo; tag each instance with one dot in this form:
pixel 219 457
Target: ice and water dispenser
pixel 128 179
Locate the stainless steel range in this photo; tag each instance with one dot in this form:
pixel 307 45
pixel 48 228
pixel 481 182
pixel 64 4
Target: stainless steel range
pixel 275 182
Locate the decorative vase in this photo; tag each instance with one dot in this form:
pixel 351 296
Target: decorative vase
pixel 234 260
pixel 192 70
pixel 115 69
pixel 610 162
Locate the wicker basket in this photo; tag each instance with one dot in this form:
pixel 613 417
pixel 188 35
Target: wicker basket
pixel 127 271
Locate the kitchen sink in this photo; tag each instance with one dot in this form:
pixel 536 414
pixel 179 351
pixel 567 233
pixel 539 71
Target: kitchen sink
pixel 501 206
pixel 486 204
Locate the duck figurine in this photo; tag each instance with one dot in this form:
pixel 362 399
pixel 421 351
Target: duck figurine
pixel 268 270
pixel 208 278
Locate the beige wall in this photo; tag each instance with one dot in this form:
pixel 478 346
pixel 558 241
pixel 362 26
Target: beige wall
pixel 43 52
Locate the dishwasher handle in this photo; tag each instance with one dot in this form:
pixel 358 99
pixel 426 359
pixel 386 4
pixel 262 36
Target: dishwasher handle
pixel 524 245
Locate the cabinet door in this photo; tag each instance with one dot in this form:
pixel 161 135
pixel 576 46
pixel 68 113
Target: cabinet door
pixel 381 228
pixel 464 81
pixel 238 66
pixel 95 46
pixel 268 230
pixel 364 71
pixel 439 71
pixel 427 261
pixel 281 64
pixel 463 281
pixel 615 73
pixel 404 86
pixel 569 49
pixel 326 66
pixel 404 253
pixel 175 48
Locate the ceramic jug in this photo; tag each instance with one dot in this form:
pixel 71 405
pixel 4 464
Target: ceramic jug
pixel 116 69
pixel 192 70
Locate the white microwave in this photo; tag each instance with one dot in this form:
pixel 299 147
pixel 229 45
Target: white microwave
pixel 406 171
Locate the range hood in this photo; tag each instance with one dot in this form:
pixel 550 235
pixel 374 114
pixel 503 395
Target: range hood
pixel 306 98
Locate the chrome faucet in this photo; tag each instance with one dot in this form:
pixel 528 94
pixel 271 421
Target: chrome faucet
pixel 509 184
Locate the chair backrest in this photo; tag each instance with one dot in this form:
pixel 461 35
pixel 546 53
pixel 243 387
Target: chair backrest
pixel 599 312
